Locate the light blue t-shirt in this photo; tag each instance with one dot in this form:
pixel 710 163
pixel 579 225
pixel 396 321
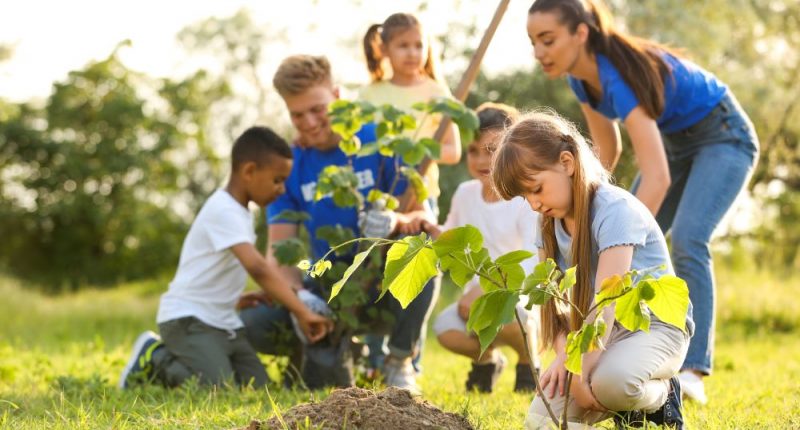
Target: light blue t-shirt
pixel 373 171
pixel 690 93
pixel 618 218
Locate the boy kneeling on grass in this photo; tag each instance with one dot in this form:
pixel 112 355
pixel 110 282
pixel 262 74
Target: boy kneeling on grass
pixel 201 333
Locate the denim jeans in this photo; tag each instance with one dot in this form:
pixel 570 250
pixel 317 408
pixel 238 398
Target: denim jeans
pixel 710 163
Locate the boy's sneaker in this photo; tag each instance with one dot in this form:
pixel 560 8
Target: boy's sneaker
pixel 669 414
pixel 483 377
pixel 139 368
pixel 524 382
pixel 399 372
pixel 692 386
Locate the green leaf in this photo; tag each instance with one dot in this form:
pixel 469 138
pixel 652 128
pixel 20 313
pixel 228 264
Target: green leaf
pixel 289 252
pixel 367 149
pixel 304 265
pixel 392 203
pixel 574 356
pixel 433 147
pixel 415 155
pixel 350 146
pixel 514 275
pixel 611 287
pixel 568 281
pixel 489 313
pixel 336 235
pixel 421 106
pixel 458 240
pixel 542 273
pixel 670 301
pixel 408 122
pixel 374 195
pixel 536 296
pixel 347 198
pixel 320 267
pixel 632 311
pixel 357 260
pixel 454 264
pixel 416 182
pixel 294 216
pixel 492 280
pixel 410 264
pixel 513 257
pixel 382 129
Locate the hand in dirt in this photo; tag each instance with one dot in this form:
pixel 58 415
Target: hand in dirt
pixel 253 299
pixel 314 326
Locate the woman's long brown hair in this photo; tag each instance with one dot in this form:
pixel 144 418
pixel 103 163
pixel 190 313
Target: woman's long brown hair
pixel 638 60
pixel 535 144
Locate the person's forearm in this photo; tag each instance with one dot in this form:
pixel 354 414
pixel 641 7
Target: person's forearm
pixel 450 146
pixel 279 290
pixel 652 192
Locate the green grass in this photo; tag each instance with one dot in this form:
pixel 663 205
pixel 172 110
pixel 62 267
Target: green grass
pixel 60 357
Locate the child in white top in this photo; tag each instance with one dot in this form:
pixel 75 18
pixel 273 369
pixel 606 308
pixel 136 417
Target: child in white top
pixel 202 333
pixel 506 226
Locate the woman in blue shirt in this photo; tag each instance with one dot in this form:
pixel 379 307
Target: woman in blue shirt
pixel 693 143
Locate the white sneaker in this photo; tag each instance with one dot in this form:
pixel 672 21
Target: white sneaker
pixel 399 372
pixel 692 386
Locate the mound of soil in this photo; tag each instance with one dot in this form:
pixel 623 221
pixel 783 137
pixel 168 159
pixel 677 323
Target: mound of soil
pixel 356 408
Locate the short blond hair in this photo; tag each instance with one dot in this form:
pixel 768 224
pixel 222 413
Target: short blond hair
pixel 298 73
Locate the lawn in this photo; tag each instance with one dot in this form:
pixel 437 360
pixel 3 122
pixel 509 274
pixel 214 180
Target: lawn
pixel 60 357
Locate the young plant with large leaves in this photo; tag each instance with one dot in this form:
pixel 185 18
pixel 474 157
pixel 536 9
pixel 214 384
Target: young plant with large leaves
pixel 414 260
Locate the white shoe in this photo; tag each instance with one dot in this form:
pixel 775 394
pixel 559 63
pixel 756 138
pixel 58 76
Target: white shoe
pixel 692 387
pixel 399 372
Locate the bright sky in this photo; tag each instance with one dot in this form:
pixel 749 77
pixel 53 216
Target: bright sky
pixel 50 38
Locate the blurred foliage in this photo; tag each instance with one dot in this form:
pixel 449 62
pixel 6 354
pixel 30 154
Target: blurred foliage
pixel 88 179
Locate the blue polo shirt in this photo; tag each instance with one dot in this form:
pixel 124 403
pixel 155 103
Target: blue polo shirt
pixel 690 93
pixel 373 171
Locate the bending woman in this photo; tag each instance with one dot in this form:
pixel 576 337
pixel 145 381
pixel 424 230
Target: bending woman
pixel 694 145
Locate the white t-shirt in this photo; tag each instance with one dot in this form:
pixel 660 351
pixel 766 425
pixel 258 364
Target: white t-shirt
pixel 506 225
pixel 210 278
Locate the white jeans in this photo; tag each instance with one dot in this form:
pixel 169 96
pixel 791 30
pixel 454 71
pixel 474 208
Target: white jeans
pixel 632 374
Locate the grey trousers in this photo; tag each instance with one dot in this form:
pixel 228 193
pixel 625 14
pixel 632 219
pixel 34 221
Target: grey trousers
pixel 215 356
pixel 632 374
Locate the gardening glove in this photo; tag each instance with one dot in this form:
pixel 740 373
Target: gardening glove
pixel 377 221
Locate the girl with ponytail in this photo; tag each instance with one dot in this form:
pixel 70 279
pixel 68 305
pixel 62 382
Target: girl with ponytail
pixel 399 46
pixel 604 231
pixel 694 145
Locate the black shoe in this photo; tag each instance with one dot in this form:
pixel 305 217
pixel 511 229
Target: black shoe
pixel 483 377
pixel 524 382
pixel 671 414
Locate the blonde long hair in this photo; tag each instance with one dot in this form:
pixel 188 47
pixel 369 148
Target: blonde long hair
pixel 534 144
pixel 381 34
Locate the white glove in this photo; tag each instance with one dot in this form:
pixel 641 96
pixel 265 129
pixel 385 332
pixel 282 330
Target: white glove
pixel 315 304
pixel 378 221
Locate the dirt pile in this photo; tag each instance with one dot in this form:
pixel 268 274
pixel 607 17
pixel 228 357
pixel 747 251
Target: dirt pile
pixel 356 408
